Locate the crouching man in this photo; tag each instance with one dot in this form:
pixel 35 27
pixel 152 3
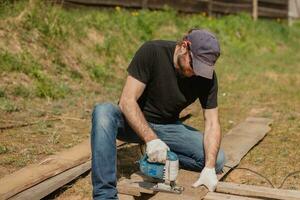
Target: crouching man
pixel 164 77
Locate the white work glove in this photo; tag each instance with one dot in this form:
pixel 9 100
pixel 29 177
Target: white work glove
pixel 157 151
pixel 208 178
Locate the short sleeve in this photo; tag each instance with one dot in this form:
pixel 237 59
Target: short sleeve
pixel 209 98
pixel 142 63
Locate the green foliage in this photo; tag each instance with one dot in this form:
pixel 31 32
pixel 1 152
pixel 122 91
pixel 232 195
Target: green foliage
pixel 8 106
pixel 76 74
pixel 100 73
pixel 47 88
pixel 248 47
pixel 2 93
pixel 23 62
pixel 3 149
pixel 9 8
pixel 21 91
pixel 10 62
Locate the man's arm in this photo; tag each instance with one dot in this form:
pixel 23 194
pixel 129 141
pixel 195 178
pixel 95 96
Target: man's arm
pixel 212 139
pixel 212 136
pixel 132 90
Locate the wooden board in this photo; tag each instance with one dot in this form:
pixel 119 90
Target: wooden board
pixel 134 187
pixel 51 166
pixel 125 197
pixel 236 143
pixel 185 6
pixel 50 185
pixel 239 140
pixel 257 191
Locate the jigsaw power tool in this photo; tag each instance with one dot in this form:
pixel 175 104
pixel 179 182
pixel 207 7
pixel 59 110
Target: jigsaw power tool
pixel 165 174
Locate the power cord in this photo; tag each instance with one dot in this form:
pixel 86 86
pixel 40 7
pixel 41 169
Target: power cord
pixel 264 177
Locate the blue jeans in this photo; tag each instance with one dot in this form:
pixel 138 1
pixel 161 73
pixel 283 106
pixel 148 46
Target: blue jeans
pixel 108 123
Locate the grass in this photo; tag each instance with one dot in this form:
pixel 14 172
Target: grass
pixel 60 62
pixel 8 106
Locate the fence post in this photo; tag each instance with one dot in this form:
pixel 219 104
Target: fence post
pixel 145 4
pixel 210 8
pixel 255 9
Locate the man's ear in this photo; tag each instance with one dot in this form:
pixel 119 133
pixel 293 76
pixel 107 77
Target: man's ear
pixel 184 46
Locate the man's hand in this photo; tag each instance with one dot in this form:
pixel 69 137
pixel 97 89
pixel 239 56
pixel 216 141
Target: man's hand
pixel 208 178
pixel 157 151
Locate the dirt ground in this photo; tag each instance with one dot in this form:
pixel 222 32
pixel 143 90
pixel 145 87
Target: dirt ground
pixel 81 188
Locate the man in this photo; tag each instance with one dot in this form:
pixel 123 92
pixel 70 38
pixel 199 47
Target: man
pixel 164 78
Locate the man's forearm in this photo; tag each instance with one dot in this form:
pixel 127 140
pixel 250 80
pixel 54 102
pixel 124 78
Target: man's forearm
pixel 212 140
pixel 136 120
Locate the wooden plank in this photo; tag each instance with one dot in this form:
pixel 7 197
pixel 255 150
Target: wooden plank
pixel 271 12
pixel 50 185
pixel 31 175
pixel 135 188
pixel 236 143
pixel 229 8
pixel 185 6
pixel 220 196
pixel 280 2
pixel 257 191
pixel 244 136
pixel 126 3
pixel 266 8
pixel 125 197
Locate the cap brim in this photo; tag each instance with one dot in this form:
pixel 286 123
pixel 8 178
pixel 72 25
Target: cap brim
pixel 203 69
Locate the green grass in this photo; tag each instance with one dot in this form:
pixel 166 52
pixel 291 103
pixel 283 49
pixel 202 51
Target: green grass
pixel 3 149
pixel 8 105
pixel 21 91
pixel 2 93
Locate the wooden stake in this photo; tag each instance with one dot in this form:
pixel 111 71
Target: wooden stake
pixel 255 9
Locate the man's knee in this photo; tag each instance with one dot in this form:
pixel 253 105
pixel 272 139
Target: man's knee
pixel 106 110
pixel 105 114
pixel 221 159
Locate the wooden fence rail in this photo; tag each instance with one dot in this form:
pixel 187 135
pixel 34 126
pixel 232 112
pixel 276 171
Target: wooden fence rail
pixel 258 8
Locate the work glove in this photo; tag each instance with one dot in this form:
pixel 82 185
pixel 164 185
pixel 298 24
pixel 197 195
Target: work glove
pixel 156 151
pixel 208 178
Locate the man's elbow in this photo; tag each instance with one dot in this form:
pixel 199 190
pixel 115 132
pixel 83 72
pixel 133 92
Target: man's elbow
pixel 122 104
pixel 125 104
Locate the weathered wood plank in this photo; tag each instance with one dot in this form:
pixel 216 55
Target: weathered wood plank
pixel 220 196
pixel 239 140
pixel 271 12
pixel 236 143
pixel 125 197
pixel 266 8
pixel 134 188
pixel 31 175
pixel 181 5
pixel 257 191
pixel 50 185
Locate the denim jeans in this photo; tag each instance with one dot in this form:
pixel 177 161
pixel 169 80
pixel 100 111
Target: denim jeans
pixel 108 123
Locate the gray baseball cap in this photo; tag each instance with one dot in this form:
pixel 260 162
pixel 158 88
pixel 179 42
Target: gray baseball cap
pixel 205 50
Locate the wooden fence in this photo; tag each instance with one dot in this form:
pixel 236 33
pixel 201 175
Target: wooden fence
pixel 258 8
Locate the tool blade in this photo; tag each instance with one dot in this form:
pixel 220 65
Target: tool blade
pixel 162 187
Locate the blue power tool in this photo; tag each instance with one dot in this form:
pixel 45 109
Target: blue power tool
pixel 164 172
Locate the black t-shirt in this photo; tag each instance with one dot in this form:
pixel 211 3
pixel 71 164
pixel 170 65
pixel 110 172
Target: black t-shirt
pixel 167 93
